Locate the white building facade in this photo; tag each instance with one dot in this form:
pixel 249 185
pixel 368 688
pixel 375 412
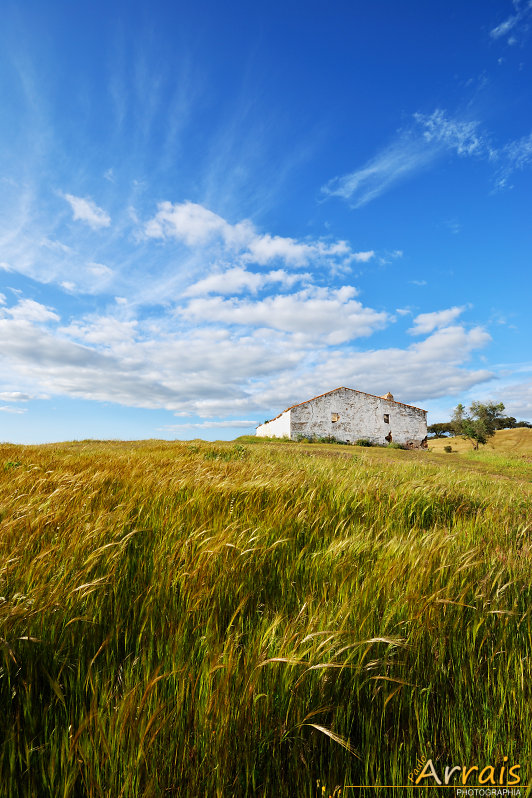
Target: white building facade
pixel 348 415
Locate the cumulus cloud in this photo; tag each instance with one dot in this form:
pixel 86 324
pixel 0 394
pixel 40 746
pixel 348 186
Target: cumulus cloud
pixel 104 330
pixel 427 322
pixel 237 280
pixel 195 225
pixel 333 316
pixel 364 257
pixel 424 370
pixel 14 396
pixel 269 354
pixel 29 310
pixel 85 210
pixel 517 398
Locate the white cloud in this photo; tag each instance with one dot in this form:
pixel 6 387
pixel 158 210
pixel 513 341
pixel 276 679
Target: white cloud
pixel 210 371
pixel 453 134
pixel 99 270
pixel 8 409
pixel 427 369
pixel 517 399
pixel 315 313
pixel 104 330
pixel 2 299
pixel 393 164
pixel 194 224
pixel 519 152
pixel 237 280
pixel 516 155
pixel 519 20
pixel 197 226
pixel 14 396
pixel 85 210
pixel 56 246
pixel 229 424
pixel 413 150
pixel 31 311
pixel 364 257
pixel 427 322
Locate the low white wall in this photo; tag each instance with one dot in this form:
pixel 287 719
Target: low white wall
pixel 277 428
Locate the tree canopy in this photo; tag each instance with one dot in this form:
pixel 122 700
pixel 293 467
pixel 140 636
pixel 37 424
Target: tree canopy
pixel 478 423
pixel 441 429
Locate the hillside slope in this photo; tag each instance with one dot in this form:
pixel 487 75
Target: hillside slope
pixel 518 441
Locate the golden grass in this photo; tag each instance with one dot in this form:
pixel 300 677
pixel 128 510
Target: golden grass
pixel 515 441
pixel 258 619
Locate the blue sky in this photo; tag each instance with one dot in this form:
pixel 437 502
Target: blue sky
pixel 211 211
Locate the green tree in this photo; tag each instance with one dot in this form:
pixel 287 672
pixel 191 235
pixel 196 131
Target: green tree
pixel 478 423
pixel 441 429
pixel 506 422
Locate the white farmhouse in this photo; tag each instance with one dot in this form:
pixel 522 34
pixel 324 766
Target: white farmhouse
pixel 348 415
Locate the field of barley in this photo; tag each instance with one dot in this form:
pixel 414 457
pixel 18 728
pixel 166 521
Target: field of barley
pixel 259 618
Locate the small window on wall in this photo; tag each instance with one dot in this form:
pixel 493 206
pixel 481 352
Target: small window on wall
pixel 335 417
pixel 386 418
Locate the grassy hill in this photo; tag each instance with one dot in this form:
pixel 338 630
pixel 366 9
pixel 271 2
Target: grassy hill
pixel 260 619
pixel 516 441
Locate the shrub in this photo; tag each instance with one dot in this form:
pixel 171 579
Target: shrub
pixel 447 448
pixel 395 445
pixel 9 464
pixel 363 442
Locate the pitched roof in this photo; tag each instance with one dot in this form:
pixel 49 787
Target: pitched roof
pixel 341 388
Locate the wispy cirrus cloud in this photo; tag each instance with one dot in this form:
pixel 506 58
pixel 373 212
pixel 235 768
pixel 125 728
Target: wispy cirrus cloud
pixel 9 409
pixel 516 24
pixel 85 210
pixel 516 156
pixel 228 424
pixel 418 147
pixel 415 149
pixel 401 158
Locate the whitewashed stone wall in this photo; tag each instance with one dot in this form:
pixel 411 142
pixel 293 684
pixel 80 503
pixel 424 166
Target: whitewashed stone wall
pixel 276 428
pixel 360 415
